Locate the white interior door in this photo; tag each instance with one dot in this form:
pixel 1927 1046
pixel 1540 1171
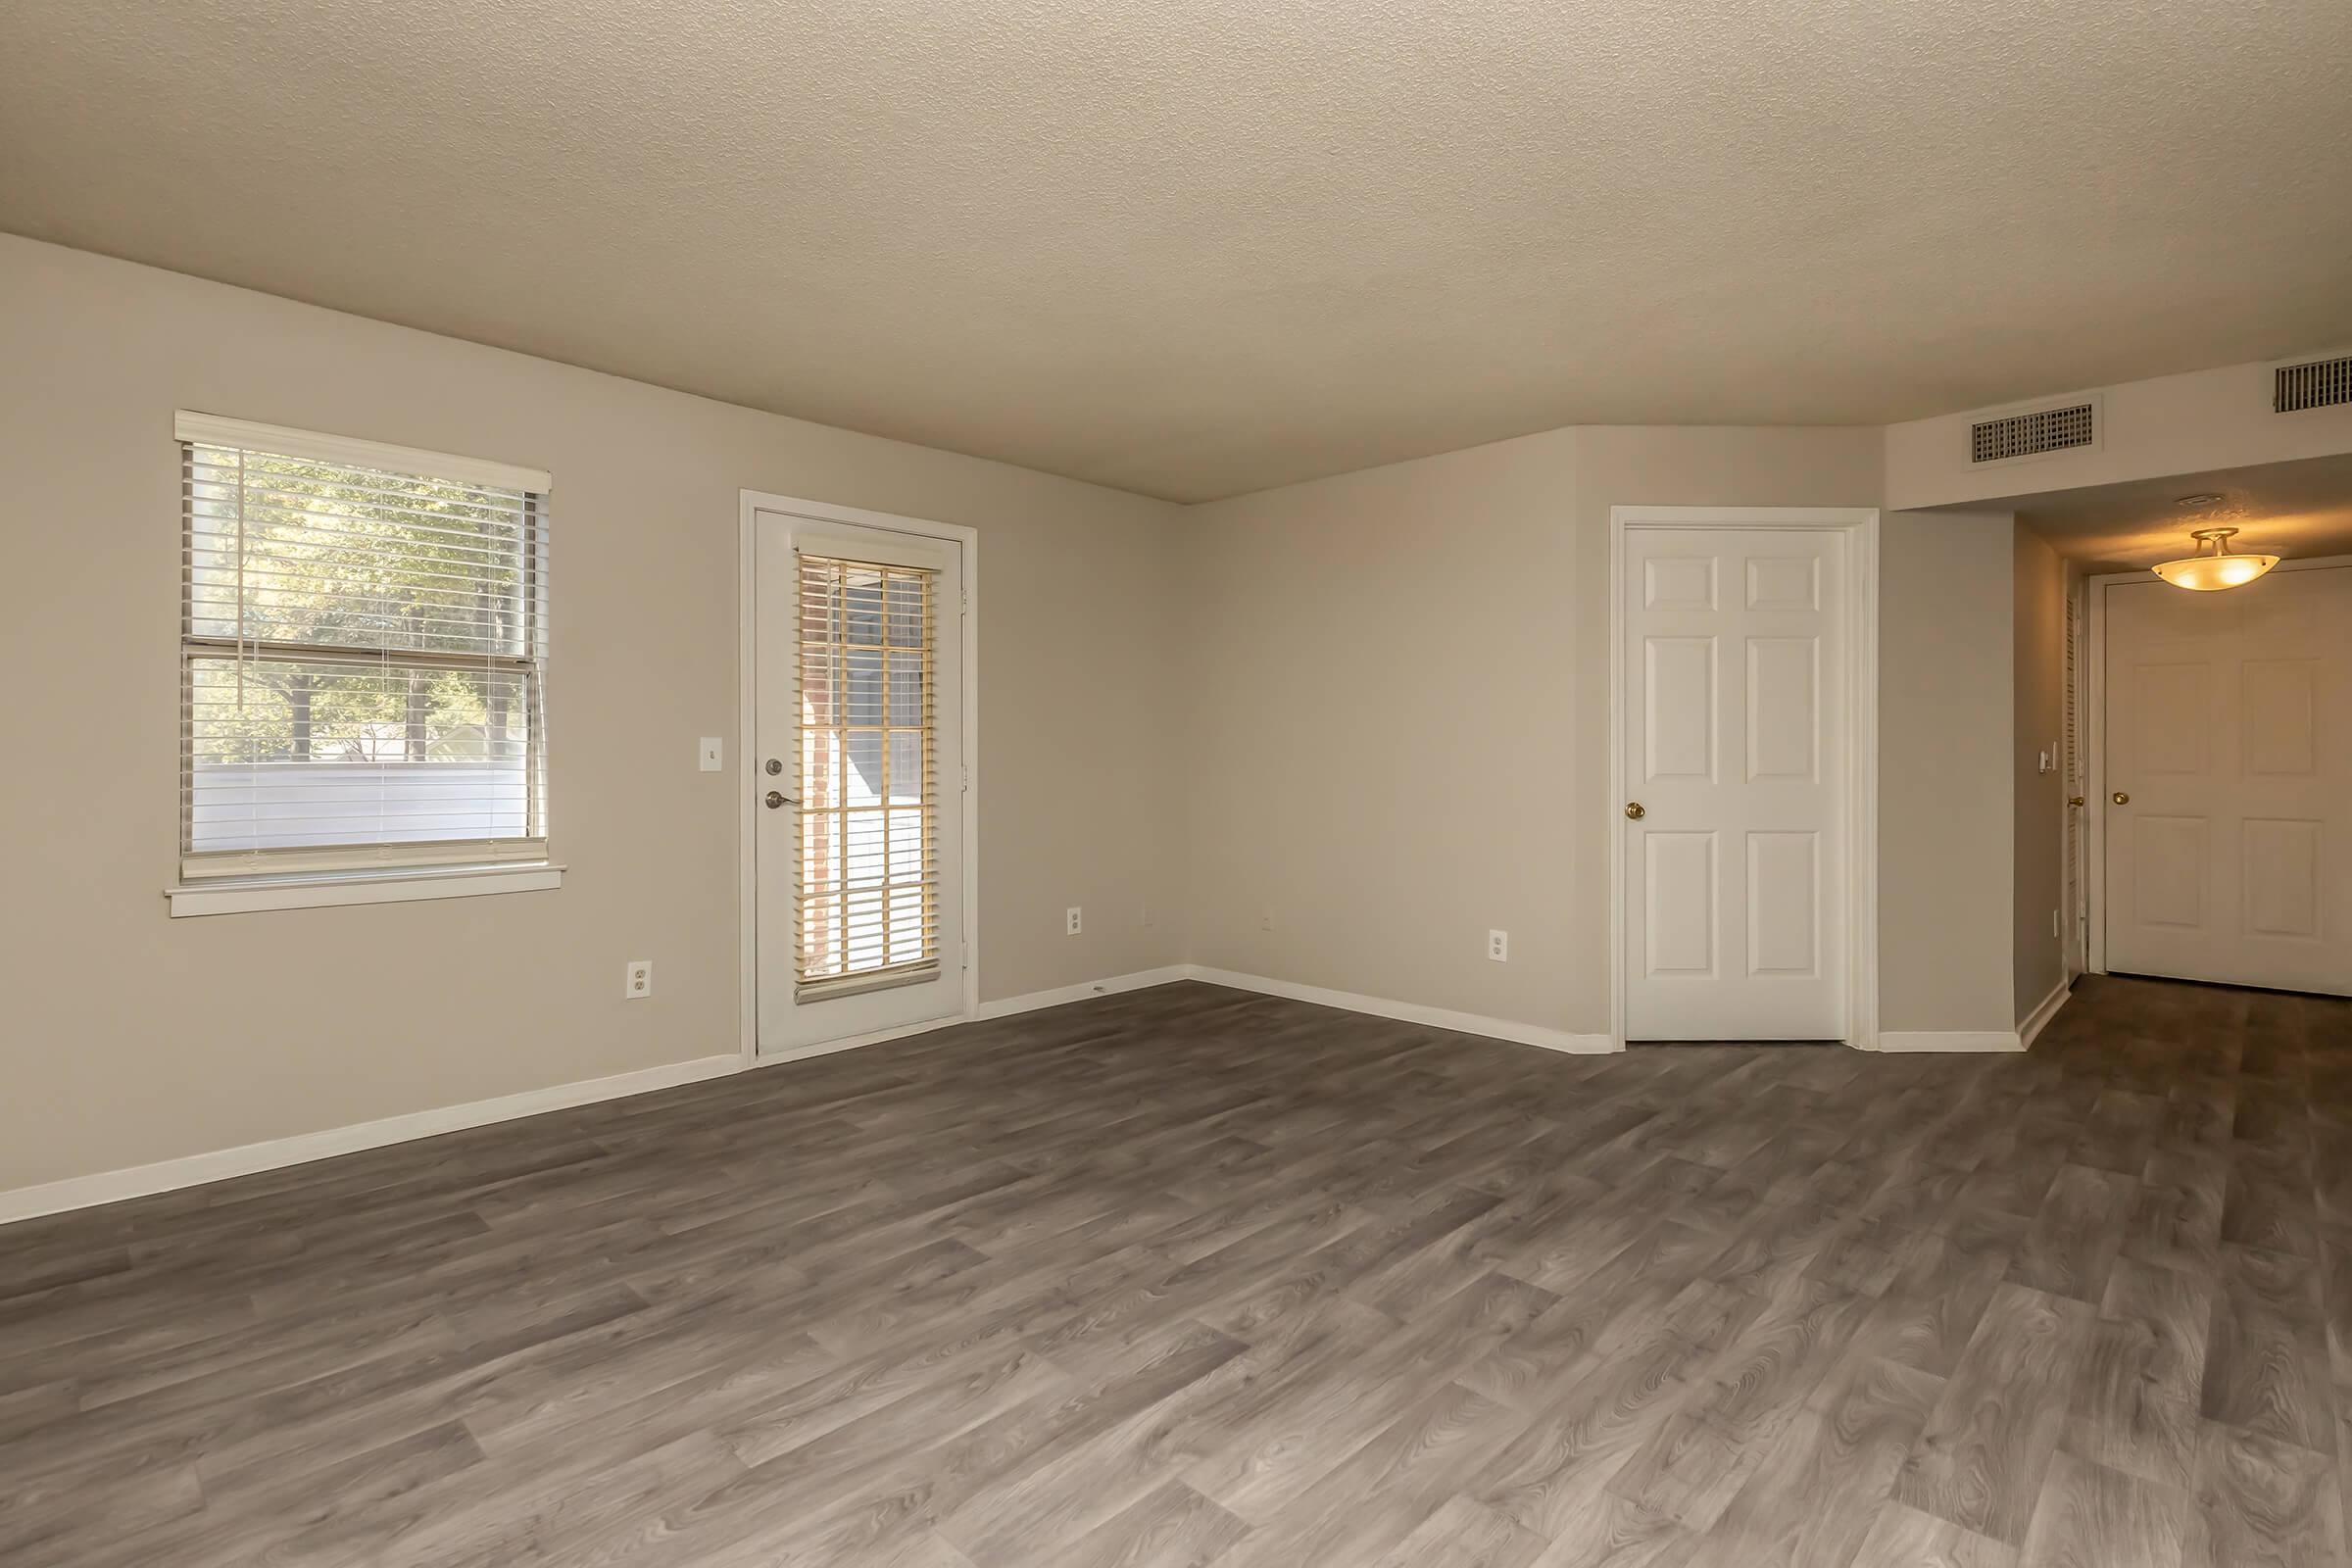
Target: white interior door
pixel 2228 762
pixel 859 765
pixel 1735 731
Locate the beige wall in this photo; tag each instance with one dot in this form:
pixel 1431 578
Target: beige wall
pixel 1330 734
pixel 126 1037
pixel 2039 803
pixel 1944 786
pixel 1385 735
pixel 1399 718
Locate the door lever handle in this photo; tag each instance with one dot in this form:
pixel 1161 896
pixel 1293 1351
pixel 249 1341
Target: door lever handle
pixel 777 797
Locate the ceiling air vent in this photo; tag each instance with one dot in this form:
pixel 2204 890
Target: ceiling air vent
pixel 2312 384
pixel 2027 435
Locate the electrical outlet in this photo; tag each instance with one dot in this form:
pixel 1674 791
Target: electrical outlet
pixel 713 754
pixel 637 979
pixel 1073 920
pixel 1498 945
pixel 1143 914
pixel 1265 918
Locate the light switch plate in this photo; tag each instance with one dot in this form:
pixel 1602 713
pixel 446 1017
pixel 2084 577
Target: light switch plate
pixel 713 754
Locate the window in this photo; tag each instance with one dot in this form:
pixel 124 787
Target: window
pixel 870 851
pixel 362 658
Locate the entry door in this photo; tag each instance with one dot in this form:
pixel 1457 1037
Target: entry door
pixel 1735 744
pixel 859 767
pixel 2228 762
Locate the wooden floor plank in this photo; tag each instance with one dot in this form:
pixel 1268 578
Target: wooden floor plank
pixel 2267 1366
pixel 1840 1456
pixel 2089 1516
pixel 2263 1504
pixel 1905 1537
pixel 2136 1406
pixel 1191 1278
pixel 1981 1461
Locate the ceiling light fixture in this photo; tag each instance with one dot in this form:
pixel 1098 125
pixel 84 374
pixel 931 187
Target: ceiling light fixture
pixel 2213 566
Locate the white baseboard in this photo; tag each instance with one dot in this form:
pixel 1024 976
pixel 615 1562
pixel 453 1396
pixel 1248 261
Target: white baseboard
pixel 193 1170
pixel 1006 1007
pixel 2043 1013
pixel 140 1181
pixel 1467 1024
pixel 833 1048
pixel 1950 1040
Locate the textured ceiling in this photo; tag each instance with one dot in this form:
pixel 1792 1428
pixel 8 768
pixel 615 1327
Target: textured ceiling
pixel 1194 247
pixel 2281 508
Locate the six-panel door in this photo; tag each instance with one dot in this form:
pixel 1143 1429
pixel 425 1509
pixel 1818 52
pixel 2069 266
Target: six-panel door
pixel 1735 748
pixel 2231 858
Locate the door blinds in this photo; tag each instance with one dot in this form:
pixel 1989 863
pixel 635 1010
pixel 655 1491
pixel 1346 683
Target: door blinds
pixel 363 659
pixel 867 907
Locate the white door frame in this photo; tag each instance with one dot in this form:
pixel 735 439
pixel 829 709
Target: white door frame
pixel 1861 527
pixel 2095 746
pixel 2074 774
pixel 746 762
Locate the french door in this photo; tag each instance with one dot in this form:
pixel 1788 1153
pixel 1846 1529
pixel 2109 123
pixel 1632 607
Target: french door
pixel 1735 741
pixel 2227 821
pixel 858 770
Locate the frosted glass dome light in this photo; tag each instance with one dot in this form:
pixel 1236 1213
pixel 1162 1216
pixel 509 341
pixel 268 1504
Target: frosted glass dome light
pixel 2213 566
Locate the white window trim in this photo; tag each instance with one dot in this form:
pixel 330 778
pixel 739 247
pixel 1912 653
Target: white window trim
pixel 324 890
pixel 218 430
pixel 295 888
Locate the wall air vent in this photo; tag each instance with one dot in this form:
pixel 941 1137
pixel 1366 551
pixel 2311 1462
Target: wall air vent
pixel 2312 384
pixel 2028 435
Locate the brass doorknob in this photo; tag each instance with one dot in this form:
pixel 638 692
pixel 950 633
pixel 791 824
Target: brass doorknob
pixel 2074 799
pixel 2120 797
pixel 1633 809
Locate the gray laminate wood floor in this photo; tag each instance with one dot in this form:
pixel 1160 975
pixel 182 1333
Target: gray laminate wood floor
pixel 1189 1277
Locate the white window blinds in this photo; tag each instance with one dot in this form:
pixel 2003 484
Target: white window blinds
pixel 362 658
pixel 868 905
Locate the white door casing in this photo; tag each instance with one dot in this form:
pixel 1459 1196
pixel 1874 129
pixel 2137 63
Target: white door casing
pixel 787 1019
pixel 2229 730
pixel 1736 734
pixel 2073 846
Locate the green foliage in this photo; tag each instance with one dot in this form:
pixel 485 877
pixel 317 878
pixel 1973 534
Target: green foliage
pixel 374 563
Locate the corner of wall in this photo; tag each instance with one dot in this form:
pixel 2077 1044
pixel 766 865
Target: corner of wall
pixel 1947 702
pixel 2038 798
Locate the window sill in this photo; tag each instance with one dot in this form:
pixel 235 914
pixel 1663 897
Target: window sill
pixel 323 889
